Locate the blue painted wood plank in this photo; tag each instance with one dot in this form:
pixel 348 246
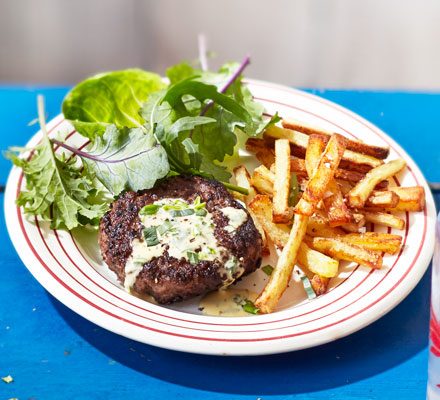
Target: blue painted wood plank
pixel 53 353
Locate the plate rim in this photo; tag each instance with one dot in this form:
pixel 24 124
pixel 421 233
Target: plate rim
pixel 403 289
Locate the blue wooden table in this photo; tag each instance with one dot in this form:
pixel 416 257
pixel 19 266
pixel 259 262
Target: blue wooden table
pixel 52 353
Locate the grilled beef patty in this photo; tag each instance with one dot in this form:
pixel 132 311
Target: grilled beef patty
pixel 166 278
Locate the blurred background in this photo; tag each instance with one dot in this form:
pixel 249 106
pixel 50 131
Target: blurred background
pixel 306 43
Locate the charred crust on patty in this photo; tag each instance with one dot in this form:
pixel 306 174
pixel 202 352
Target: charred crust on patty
pixel 166 278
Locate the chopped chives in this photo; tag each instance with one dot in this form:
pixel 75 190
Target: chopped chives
pixel 165 227
pixel 201 212
pixel 149 209
pixel 308 287
pixel 192 257
pixel 249 307
pixel 267 269
pixel 150 236
pixel 182 213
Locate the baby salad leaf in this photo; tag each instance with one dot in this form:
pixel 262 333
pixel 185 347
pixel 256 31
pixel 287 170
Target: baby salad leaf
pixel 110 98
pixel 57 190
pixel 126 159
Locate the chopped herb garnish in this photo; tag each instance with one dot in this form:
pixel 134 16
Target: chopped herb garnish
pixel 249 307
pixel 149 209
pixel 182 213
pixel 267 269
pixel 192 257
pixel 150 236
pixel 211 250
pixel 198 203
pixel 308 287
pixel 201 212
pixel 165 227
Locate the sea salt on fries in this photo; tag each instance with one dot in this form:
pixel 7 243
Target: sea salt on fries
pixel 410 198
pixel 345 184
pixel 358 196
pixel 322 175
pixel 282 213
pixel 382 199
pixel 375 241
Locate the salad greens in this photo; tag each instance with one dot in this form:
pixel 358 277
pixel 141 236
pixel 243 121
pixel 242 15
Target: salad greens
pixel 140 130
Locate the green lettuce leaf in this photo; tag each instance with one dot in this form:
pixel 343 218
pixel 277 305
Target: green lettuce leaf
pixel 57 190
pixel 126 159
pixel 110 98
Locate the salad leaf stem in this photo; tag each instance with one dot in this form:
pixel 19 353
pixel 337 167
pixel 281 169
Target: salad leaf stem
pixel 84 154
pixel 203 59
pixel 235 75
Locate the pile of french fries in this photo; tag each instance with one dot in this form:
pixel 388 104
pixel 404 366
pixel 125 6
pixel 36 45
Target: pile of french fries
pixel 342 186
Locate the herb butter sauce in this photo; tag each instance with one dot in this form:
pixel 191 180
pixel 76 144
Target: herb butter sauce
pixel 185 231
pixel 227 303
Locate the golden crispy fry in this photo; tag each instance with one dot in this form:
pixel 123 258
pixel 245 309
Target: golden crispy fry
pixel 324 172
pixel 282 213
pixel 319 227
pixel 337 248
pixel 243 179
pixel 358 222
pixel 299 142
pixel 382 199
pixel 337 210
pixel 317 262
pixel 319 284
pixel 375 241
pixel 315 148
pixel 261 206
pixel 385 219
pixel 308 258
pixel 269 297
pixel 262 151
pixel 263 179
pixel 358 196
pixel 410 198
pixel 355 145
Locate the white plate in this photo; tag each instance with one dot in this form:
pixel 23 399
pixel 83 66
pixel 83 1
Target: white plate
pixel 70 268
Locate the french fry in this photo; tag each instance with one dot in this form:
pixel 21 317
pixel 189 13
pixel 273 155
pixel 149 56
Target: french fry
pixel 317 262
pixel 324 172
pixel 410 198
pixel 318 226
pixel 337 248
pixel 383 242
pixel 358 222
pixel 358 196
pixel 269 297
pixel 243 179
pixel 385 219
pixel 263 179
pixel 319 284
pixel 337 210
pixel 315 148
pixel 354 145
pixel 382 199
pixel 282 213
pixel 299 142
pixel 262 151
pixel 261 206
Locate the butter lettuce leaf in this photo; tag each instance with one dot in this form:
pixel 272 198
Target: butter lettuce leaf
pixel 110 98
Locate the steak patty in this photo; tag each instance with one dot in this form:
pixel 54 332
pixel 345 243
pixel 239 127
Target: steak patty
pixel 166 278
